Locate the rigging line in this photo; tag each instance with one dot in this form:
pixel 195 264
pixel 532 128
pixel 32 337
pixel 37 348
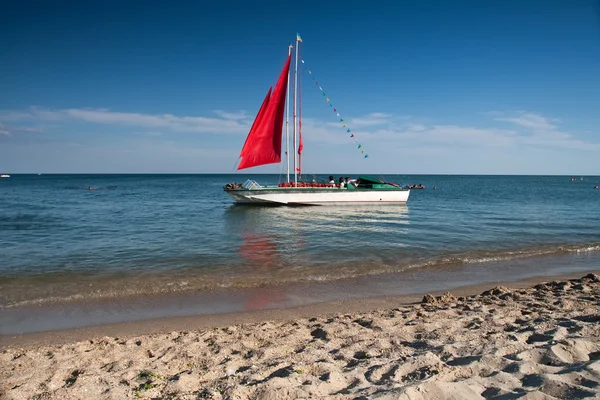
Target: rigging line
pixel 280 171
pixel 328 100
pixel 234 164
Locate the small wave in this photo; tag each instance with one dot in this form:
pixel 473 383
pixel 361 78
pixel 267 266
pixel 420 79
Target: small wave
pixel 87 187
pixel 25 221
pixel 504 255
pixel 588 249
pixel 17 292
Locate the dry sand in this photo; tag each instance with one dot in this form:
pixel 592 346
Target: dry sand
pixel 541 342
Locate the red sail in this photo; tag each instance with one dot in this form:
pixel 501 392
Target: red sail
pixel 263 144
pixel 257 121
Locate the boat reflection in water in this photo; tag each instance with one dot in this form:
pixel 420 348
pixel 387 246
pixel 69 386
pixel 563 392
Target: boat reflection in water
pixel 287 245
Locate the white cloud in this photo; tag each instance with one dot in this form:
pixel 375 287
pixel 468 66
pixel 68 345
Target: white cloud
pixel 531 143
pixel 9 130
pixel 529 120
pixel 4 130
pixel 416 127
pixel 330 133
pixel 232 115
pixel 231 123
pixel 148 133
pixel 530 129
pixel 544 133
pixel 135 156
pixel 370 120
pixel 560 140
pixel 28 129
pixel 467 136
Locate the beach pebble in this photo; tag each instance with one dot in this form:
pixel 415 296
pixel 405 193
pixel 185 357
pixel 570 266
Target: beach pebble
pixel 446 298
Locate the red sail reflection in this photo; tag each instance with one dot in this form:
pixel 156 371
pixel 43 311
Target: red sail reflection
pixel 260 251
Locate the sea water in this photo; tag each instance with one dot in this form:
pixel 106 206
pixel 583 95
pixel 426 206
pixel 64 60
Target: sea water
pixel 76 239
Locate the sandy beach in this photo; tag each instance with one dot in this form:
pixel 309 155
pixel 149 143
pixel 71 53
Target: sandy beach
pixel 536 342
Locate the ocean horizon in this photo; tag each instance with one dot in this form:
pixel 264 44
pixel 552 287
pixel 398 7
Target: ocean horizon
pixel 323 175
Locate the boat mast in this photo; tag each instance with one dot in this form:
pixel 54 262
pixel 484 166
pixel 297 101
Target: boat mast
pixel 287 121
pixel 295 120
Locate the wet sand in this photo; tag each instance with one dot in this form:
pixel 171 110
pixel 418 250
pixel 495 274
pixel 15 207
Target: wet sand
pixel 523 339
pixel 109 306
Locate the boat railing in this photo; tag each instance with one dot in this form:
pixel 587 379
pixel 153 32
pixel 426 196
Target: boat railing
pixel 250 184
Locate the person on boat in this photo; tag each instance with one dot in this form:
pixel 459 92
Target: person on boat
pixel 331 179
pixel 342 183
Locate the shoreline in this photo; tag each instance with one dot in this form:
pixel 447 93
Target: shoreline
pixel 48 289
pixel 220 303
pixel 162 325
pixel 539 339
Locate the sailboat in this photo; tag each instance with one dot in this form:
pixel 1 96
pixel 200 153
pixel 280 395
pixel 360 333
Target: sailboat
pixel 263 146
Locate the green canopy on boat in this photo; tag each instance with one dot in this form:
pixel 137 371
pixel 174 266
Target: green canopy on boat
pixel 369 179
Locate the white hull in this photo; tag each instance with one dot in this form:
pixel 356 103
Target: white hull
pixel 317 196
pixel 4 176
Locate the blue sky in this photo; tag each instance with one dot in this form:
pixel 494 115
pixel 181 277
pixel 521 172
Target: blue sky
pixel 484 87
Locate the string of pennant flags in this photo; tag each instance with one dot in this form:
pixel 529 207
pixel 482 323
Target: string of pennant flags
pixel 343 123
